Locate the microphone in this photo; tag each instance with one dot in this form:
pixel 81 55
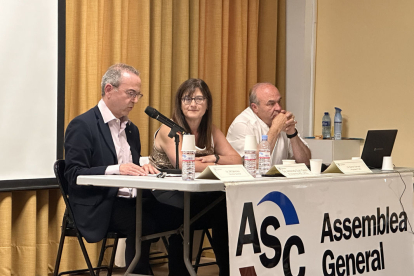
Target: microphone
pixel 153 113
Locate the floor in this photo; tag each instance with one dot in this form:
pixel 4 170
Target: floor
pixel 162 269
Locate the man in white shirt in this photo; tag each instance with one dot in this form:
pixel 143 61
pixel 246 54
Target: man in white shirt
pixel 265 116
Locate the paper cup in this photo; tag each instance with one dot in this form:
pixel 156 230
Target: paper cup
pixel 316 166
pixel 188 143
pixel 288 161
pixel 387 164
pixel 250 143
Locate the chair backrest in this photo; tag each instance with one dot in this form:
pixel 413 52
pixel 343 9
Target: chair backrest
pixel 59 168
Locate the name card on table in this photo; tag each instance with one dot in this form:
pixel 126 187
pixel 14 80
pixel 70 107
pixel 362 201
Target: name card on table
pixel 348 167
pixel 290 170
pixel 226 173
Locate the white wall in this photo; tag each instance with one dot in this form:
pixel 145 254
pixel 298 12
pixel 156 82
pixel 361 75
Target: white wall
pixel 365 65
pixel 300 29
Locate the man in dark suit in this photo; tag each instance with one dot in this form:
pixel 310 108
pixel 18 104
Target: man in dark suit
pixel 104 141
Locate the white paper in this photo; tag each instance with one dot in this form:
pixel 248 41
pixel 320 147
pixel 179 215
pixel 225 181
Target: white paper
pixel 356 166
pixel 226 173
pixel 291 170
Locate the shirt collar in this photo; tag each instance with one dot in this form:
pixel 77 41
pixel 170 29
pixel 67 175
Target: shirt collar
pixel 262 124
pixel 107 114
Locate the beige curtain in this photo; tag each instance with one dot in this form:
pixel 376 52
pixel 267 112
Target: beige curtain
pixel 30 233
pixel 231 44
pixel 241 43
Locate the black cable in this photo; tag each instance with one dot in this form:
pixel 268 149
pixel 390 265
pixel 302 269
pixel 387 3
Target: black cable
pixel 402 206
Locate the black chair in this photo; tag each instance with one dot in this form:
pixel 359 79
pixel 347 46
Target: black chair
pixel 157 255
pixel 201 249
pixel 69 229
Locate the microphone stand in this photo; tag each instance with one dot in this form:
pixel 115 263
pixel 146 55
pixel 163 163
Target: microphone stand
pixel 174 133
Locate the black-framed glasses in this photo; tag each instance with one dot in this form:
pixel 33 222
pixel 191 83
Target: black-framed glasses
pixel 198 99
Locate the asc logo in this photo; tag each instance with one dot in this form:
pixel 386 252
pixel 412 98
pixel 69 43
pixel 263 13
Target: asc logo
pixel 291 218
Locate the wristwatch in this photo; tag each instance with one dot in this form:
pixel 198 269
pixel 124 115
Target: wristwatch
pixel 217 158
pixel 290 136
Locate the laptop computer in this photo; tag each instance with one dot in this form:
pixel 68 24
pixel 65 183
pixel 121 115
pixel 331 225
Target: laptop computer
pixel 379 143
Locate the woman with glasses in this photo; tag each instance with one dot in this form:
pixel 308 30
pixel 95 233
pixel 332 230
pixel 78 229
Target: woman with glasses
pixel 193 111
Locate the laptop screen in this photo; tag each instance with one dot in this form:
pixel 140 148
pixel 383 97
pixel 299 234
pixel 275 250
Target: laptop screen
pixel 379 143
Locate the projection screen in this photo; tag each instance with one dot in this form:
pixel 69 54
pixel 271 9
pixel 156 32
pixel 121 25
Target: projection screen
pixel 29 96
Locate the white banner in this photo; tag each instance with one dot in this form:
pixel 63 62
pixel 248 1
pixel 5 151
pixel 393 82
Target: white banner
pixel 348 225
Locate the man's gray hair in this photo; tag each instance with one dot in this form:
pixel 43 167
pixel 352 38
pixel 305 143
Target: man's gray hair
pixel 253 94
pixel 114 74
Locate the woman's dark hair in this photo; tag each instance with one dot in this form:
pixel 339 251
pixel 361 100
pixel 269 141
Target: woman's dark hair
pixel 188 88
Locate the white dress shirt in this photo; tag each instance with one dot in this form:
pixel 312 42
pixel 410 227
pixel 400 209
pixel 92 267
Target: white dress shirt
pixel 248 123
pixel 123 151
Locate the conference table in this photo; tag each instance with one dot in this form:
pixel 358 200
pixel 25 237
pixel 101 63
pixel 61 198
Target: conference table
pixel 334 203
pixel 167 183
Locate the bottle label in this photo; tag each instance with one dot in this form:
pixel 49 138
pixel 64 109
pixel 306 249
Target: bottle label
pixel 264 154
pixel 188 157
pixel 326 123
pixel 250 156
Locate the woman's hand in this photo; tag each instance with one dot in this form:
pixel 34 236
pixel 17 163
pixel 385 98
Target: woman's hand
pixel 207 159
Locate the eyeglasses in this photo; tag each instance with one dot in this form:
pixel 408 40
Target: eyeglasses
pixel 133 95
pixel 198 100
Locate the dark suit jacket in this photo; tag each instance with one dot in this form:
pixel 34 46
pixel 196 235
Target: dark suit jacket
pixel 89 149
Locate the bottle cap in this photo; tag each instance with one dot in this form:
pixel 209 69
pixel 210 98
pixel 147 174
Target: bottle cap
pixel 326 113
pixel 338 109
pixel 264 137
pixel 250 143
pixel 188 143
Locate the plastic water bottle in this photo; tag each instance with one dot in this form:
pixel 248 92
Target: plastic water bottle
pixel 188 166
pixel 326 126
pixel 264 155
pixel 338 124
pixel 250 161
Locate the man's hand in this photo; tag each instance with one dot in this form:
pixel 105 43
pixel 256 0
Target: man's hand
pixel 278 125
pixel 279 121
pixel 290 123
pixel 132 169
